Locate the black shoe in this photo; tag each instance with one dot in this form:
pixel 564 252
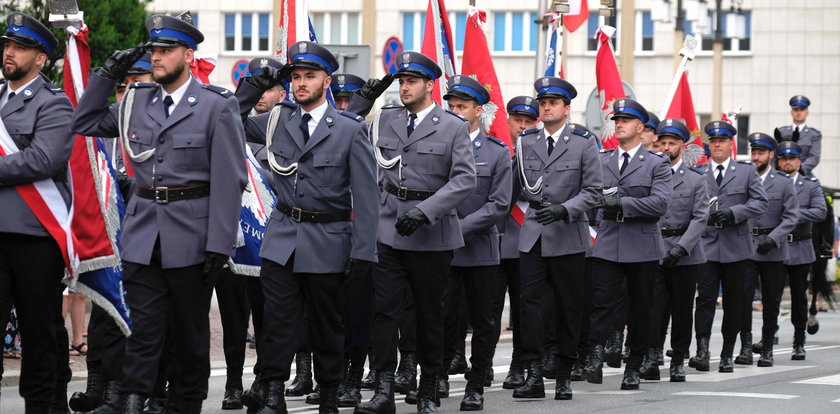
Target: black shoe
pixel 516 374
pixel 813 325
pixel 766 358
pixel 232 400
pixel 314 397
pixel 593 372
pixel 383 397
pixel 660 357
pixel 275 402
pixel 428 397
pixel 154 406
pixel 58 405
pixel 726 364
pixel 329 401
pixel 650 368
pixel 442 387
pixel 474 391
pixel 133 404
pixel 677 372
pixel 533 386
pixel 577 371
pixel 92 396
pixel 700 361
pixel 411 398
pixel 111 403
pixel 549 364
pixel 631 379
pixel 563 390
pixel 369 382
pixel 302 384
pixel 745 357
pixel 669 353
pixel 458 365
pixel 406 377
pixel 612 350
pixel 254 398
pixel 352 393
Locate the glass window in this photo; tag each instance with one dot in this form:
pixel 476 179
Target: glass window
pixel 647 31
pixel 408 31
pixel 335 28
pixel 263 22
pixel 353 28
pixel 499 31
pixel 247 33
pixel 460 28
pixel 592 26
pixel 230 31
pixel 516 29
pixel 534 28
pixel 318 25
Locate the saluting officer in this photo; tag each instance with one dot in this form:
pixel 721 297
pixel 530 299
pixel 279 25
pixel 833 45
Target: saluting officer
pixel 270 97
pixel 427 170
pixel 342 87
pixel 649 137
pixel 737 196
pixel 812 209
pixel 807 137
pixel 185 144
pixel 676 277
pixel 560 175
pixel 770 231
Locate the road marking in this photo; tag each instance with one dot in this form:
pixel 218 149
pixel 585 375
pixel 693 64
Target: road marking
pixel 829 380
pixel 838 400
pixel 741 372
pixel 737 394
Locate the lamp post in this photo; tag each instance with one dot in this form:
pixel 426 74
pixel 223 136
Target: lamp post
pixel 717 74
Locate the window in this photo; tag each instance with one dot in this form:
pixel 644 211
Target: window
pixel 230 32
pixel 337 27
pixel 743 125
pixel 246 32
pixel 644 40
pixel 593 24
pixel 515 32
pixel 414 27
pixel 730 42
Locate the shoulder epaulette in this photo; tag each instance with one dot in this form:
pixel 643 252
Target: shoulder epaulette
pixel 457 116
pixel 52 88
pixel 218 89
pixel 657 153
pixel 701 166
pixel 287 103
pixel 745 162
pixel 496 141
pixel 697 170
pixel 392 107
pixel 815 130
pixel 812 178
pixel 528 132
pixel 782 173
pixel 355 117
pixel 606 150
pixel 137 85
pixel 581 132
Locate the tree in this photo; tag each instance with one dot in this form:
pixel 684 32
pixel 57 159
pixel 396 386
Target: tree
pixel 114 24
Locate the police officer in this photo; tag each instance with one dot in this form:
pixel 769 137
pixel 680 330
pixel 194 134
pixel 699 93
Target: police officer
pixel 737 196
pixel 522 115
pixel 649 137
pixel 812 209
pixel 628 219
pixel 36 145
pixel 769 230
pixel 427 169
pixel 185 144
pixel 676 277
pixel 807 137
pixel 342 87
pixel 361 101
pixel 140 71
pixel 474 265
pixel 560 175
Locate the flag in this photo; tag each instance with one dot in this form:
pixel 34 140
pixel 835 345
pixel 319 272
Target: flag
pixel 682 107
pixel 730 119
pixel 610 87
pixel 202 66
pixel 553 48
pixel 295 26
pixel 257 202
pixel 438 45
pixel 477 62
pixel 577 16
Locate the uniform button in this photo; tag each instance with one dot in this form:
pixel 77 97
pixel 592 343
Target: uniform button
pixel 160 178
pixel 189 141
pixel 405 149
pixel 161 140
pixel 403 178
pixel 546 185
pixel 546 170
pixel 300 194
pixel 404 164
pixel 160 159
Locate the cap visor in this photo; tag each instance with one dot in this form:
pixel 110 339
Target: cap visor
pixel 459 94
pixel 26 41
pixel 624 115
pixel 525 113
pixel 412 73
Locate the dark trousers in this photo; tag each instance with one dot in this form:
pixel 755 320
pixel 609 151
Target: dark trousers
pixel 585 328
pixel 673 294
pixel 31 269
pixel 712 275
pixel 798 275
pixel 477 283
pixel 772 276
pixel 549 318
pixel 232 295
pixel 426 273
pixel 455 320
pixel 408 324
pixel 357 311
pixel 565 276
pixel 607 280
pixel 106 344
pixel 253 287
pixel 154 295
pixel 506 283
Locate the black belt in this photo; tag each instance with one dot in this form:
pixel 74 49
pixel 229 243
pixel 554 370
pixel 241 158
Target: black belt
pixel 617 217
pixel 299 215
pixel 666 232
pixel 164 195
pixel 760 231
pixel 798 237
pixel 408 193
pixel 538 205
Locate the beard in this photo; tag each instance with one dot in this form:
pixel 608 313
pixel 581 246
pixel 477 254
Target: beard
pixel 18 72
pixel 171 76
pixel 674 156
pixel 314 96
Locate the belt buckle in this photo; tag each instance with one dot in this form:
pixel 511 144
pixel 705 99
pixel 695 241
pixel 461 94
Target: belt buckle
pixel 790 238
pixel 718 225
pixel 754 231
pixel 296 212
pixel 402 193
pixel 165 192
pixel 619 218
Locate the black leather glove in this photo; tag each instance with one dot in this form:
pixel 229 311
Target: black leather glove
pixel 551 214
pixel 674 255
pixel 723 217
pixel 118 64
pixel 610 202
pixel 374 88
pixel 265 79
pixel 213 265
pixel 765 246
pixel 410 221
pixel 125 183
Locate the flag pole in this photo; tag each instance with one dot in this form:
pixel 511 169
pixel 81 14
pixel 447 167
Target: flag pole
pixel 564 59
pixel 688 52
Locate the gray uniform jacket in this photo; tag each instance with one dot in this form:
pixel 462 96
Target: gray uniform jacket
pixel 510 237
pixel 812 209
pixel 689 209
pixel 38 121
pixel 782 212
pixel 572 177
pixel 487 206
pixel 437 157
pixel 810 140
pixel 645 190
pixel 742 192
pixel 202 142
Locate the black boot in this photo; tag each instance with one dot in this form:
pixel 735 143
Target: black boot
pixel 369 382
pixel 798 346
pixel 516 374
pixel 549 363
pixel 563 387
pixel 443 387
pixel 254 398
pixel 302 384
pixel 766 359
pixel 626 352
pixel 329 401
pixel 59 400
pixel 406 377
pixel 594 370
pixel 577 370
pixel 745 357
pixel 474 392
pixel 383 396
pixel 111 403
pixel 155 405
pixel 700 361
pixel 458 365
pixel 233 399
pixel 631 373
pixel 660 357
pixel 352 395
pixel 190 407
pixel 726 363
pixel 428 399
pixel 677 370
pixel 650 366
pixel 533 386
pixel 92 396
pixel 275 402
pixel 612 350
pixel 314 397
pixel 489 375
pixel 133 404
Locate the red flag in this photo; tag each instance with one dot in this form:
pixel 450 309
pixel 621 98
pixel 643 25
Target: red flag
pixel 476 61
pixel 577 16
pixel 201 68
pixel 682 108
pixel 610 87
pixel 438 45
pixel 294 26
pixel 725 118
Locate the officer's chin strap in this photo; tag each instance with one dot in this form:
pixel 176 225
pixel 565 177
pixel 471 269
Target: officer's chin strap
pixel 273 117
pixel 533 189
pixel 123 123
pixel 380 159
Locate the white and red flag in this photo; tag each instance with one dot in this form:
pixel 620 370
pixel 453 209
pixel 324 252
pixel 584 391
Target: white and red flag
pixel 610 87
pixel 681 107
pixel 578 15
pixel 438 45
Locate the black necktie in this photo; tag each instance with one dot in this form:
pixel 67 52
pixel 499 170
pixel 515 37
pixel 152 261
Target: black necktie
pixel 624 163
pixel 795 136
pixel 550 144
pixel 719 177
pixel 167 103
pixel 411 119
pixel 304 126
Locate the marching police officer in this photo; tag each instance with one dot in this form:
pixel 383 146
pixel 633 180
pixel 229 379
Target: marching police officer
pixel 342 87
pixel 676 277
pixel 637 185
pixel 36 144
pixel 427 169
pixel 649 137
pixel 474 265
pixel 769 230
pixel 807 137
pixel 185 144
pixel 560 176
pixel 737 196
pixel 812 209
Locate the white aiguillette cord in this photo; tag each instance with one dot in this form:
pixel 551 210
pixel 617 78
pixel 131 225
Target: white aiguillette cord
pixel 273 116
pixel 123 123
pixel 533 189
pixel 380 159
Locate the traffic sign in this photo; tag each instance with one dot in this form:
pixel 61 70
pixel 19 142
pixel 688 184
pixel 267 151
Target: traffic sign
pixel 393 47
pixel 239 71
